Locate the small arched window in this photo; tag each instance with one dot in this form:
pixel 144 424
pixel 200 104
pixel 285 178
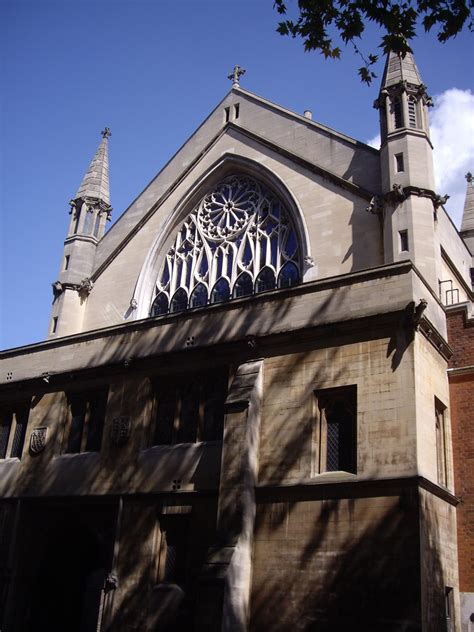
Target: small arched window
pixel 160 305
pixel 243 286
pixel 265 280
pixel 221 291
pixel 199 296
pixel 237 240
pixel 289 275
pixel 397 113
pixel 179 302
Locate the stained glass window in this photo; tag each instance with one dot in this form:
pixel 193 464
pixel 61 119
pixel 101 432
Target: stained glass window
pixel 237 241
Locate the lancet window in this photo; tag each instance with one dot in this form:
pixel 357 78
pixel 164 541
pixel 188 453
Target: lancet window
pixel 239 240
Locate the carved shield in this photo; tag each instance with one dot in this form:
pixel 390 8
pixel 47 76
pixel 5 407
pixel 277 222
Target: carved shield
pixel 120 431
pixel 38 440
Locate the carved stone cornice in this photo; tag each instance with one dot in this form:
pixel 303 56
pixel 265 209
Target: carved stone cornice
pixel 92 203
pixel 399 194
pixel 435 338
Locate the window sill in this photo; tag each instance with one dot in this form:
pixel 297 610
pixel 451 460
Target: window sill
pixel 334 474
pixel 166 447
pixel 316 479
pixel 76 455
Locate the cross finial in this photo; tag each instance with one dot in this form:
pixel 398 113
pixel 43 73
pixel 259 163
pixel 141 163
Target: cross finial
pixel 469 177
pixel 106 133
pixel 235 75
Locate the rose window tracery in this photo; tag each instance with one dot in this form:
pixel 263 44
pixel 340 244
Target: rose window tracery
pixel 239 240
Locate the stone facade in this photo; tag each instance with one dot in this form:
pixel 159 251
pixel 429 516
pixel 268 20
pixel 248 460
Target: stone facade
pixel 282 450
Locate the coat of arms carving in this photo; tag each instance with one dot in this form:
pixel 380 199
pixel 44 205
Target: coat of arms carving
pixel 38 440
pixel 120 431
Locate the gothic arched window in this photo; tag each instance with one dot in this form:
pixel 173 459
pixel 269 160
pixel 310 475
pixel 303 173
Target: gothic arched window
pixel 160 305
pixel 237 241
pixel 397 113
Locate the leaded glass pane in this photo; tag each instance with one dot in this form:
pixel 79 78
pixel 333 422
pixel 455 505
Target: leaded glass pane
pixel 238 227
pixel 20 431
pixel 265 280
pixel 179 302
pixel 5 426
pixel 199 296
pixel 221 291
pixel 244 285
pixel 289 275
pixel 160 305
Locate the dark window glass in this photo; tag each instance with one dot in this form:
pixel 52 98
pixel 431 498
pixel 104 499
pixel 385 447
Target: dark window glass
pixel 86 421
pixel 160 305
pixel 265 280
pixel 221 291
pixel 291 245
pixel 78 415
pixel 243 286
pixel 339 420
pixel 397 113
pixel 189 402
pixel 190 407
pixel 95 427
pixel 13 423
pixel 334 434
pixel 76 221
pixel 399 163
pixel 404 247
pixel 214 396
pixel 21 416
pixel 5 427
pixel 175 531
pixel 289 275
pixel 199 296
pixel 166 413
pixel 179 302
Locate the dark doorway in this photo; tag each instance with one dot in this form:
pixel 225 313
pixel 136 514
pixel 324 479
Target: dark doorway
pixel 66 570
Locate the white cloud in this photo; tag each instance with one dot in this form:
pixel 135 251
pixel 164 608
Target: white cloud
pixel 374 142
pixel 452 135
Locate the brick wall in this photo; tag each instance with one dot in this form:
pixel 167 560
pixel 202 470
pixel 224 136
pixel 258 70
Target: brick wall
pixel 461 339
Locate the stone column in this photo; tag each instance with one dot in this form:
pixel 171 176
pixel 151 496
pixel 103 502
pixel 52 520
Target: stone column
pixel 226 578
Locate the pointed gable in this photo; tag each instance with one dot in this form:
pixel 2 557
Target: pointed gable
pixel 242 113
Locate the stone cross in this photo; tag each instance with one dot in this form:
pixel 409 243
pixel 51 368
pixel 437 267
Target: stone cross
pixel 235 75
pixel 106 133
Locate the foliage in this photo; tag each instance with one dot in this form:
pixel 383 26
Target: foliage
pixel 320 21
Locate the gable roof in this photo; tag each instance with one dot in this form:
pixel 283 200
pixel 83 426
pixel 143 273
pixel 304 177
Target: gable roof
pixel 320 148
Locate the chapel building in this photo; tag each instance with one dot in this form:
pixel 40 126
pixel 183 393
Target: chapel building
pixel 253 410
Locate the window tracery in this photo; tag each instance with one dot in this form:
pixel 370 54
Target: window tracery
pixel 239 240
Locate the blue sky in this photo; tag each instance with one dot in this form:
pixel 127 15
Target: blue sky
pixel 152 71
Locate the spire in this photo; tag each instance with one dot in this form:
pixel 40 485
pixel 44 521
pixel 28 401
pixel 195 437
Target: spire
pixel 398 68
pixel 95 183
pixel 467 224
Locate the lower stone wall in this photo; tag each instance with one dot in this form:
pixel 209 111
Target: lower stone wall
pixel 439 563
pixel 337 564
